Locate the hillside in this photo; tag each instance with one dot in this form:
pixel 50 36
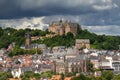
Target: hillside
pixel 10 35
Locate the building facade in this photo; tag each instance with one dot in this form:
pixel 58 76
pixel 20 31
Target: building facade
pixel 82 43
pixel 63 27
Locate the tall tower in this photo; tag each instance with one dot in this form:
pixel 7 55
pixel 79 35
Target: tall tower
pixel 28 41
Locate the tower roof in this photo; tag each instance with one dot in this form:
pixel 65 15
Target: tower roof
pixel 27 35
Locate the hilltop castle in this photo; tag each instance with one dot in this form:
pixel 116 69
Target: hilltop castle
pixel 63 27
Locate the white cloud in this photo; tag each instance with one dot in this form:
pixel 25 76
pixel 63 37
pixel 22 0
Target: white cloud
pixel 43 23
pixel 32 23
pixel 104 7
pixel 108 29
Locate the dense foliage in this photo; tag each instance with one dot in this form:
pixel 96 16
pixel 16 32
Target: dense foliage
pixel 5 75
pixel 29 74
pixel 96 41
pixel 106 75
pixel 10 35
pixel 18 51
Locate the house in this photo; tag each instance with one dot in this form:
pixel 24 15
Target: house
pixel 55 49
pixel 105 63
pixel 77 64
pixel 41 47
pixel 11 46
pixel 116 64
pixel 59 66
pixel 16 72
pixel 116 67
pixel 15 79
pixel 95 61
pixel 56 77
pixel 82 43
pixel 68 78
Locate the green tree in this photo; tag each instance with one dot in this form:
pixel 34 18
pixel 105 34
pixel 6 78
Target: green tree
pixel 81 77
pixel 5 75
pixel 1 32
pixel 116 77
pixel 69 74
pixel 90 67
pixel 100 78
pixel 47 74
pixel 108 75
pixel 27 75
pixel 16 51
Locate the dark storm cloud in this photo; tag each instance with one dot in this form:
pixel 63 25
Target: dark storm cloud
pixel 30 8
pixel 33 8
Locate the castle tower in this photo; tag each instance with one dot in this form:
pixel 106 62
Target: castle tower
pixel 28 40
pixel 67 27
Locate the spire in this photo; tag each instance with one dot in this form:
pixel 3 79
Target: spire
pixel 28 40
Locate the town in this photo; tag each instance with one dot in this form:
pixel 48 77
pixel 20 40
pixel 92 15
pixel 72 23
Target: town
pixel 70 61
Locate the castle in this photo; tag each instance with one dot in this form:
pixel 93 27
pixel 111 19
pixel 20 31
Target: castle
pixel 63 27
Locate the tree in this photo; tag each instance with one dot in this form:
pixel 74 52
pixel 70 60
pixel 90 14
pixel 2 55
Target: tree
pixel 4 41
pixel 16 51
pixel 27 75
pixel 108 75
pixel 100 78
pixel 47 74
pixel 1 32
pixel 81 77
pixel 69 74
pixel 117 77
pixel 70 35
pixel 90 66
pixel 5 75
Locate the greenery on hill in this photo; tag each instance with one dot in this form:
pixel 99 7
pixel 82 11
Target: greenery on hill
pixel 18 51
pixel 96 41
pixel 10 35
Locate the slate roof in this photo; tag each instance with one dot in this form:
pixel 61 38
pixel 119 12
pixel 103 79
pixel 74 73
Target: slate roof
pixel 78 58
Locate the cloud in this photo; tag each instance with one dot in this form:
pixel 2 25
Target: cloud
pixel 29 13
pixel 35 8
pixel 104 7
pixel 43 23
pixel 32 23
pixel 108 30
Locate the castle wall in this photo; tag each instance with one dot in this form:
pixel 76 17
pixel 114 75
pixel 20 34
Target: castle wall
pixel 63 27
pixel 73 29
pixel 67 29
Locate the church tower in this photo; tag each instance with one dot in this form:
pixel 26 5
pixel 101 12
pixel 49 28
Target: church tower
pixel 28 41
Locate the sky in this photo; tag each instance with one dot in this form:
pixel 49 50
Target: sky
pixel 98 16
